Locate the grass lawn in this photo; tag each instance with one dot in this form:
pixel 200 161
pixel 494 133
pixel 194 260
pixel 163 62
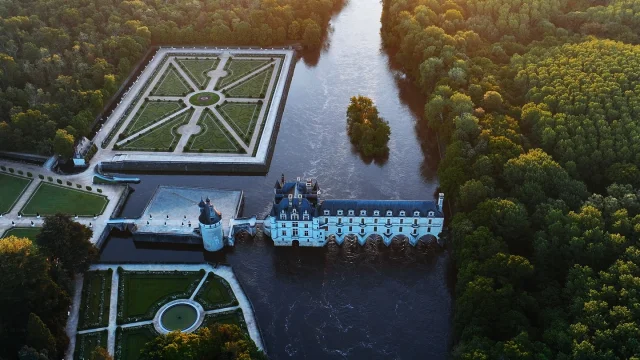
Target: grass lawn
pixel 86 343
pixel 197 69
pixel 204 99
pixel 151 112
pixel 96 298
pixel 49 199
pixel 163 138
pixel 142 293
pixel 131 340
pixel 213 137
pixel 215 293
pixel 237 68
pixel 171 84
pixel 255 87
pixel 242 117
pixel 22 232
pixel 233 317
pixel 11 187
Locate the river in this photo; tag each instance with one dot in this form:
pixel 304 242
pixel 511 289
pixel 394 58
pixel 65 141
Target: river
pixel 347 302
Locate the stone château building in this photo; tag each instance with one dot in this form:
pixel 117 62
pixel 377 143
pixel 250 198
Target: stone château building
pixel 210 226
pixel 299 217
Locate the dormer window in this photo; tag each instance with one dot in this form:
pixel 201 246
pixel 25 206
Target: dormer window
pixel 401 212
pixel 283 215
pixel 340 212
pixel 305 216
pixel 416 213
pixel 389 213
pixel 294 216
pixel 363 212
pixel 376 212
pixel 351 212
pixel 327 212
pixel 431 213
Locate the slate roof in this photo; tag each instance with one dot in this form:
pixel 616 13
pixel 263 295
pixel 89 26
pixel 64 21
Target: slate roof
pixel 208 214
pixel 409 206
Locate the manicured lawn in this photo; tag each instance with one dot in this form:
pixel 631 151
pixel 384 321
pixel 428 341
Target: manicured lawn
pixel 151 112
pixel 50 199
pixel 132 340
pixel 255 87
pixel 23 232
pixel 142 293
pixel 234 317
pixel 171 84
pixel 11 187
pixel 204 98
pixel 96 298
pixel 242 117
pixel 237 68
pixel 215 293
pixel 86 343
pixel 198 69
pixel 162 138
pixel 213 137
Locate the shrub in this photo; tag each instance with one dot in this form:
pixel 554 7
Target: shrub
pixel 11 170
pixel 29 174
pixel 79 186
pixel 3 168
pixel 59 181
pixel 88 188
pixel 201 150
pixel 49 178
pixel 99 190
pixel 20 172
pixel 41 176
pixel 69 183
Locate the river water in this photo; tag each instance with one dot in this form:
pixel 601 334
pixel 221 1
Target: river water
pixel 346 302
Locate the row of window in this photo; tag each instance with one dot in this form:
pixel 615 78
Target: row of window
pixel 375 213
pixel 294 225
pixel 295 233
pixel 375 221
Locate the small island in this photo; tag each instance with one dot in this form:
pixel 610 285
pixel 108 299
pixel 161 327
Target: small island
pixel 368 131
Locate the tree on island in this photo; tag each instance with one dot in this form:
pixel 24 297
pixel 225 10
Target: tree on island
pixel 369 132
pixel 217 342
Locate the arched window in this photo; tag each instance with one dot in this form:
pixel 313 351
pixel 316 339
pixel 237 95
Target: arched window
pixel 401 212
pixel 351 212
pixel 376 212
pixel 431 213
pixel 326 212
pixel 363 212
pixel 340 212
pixel 283 215
pixel 389 213
pixel 416 213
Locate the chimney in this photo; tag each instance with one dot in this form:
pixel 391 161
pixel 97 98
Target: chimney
pixel 282 180
pixel 309 184
pixel 290 200
pixel 440 200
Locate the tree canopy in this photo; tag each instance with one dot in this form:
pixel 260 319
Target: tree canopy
pixel 368 132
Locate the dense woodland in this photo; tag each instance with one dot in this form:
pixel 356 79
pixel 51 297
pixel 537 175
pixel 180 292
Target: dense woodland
pixel 368 131
pixel 61 60
pixel 538 102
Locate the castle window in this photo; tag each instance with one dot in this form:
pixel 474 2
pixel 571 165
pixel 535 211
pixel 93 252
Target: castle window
pixel 283 215
pixel 430 221
pixel 339 220
pixel 389 213
pixel 295 232
pixel 295 225
pixel 362 221
pixel 375 221
pixel 350 228
pixel 351 212
pixel 415 221
pixel 401 221
pixel 388 231
pixel 284 232
pixel 431 213
pixel 401 212
pixel 306 233
pixel 305 216
pixel 350 220
pixel 284 225
pixel 429 229
pixel 376 212
pixel 400 229
pixel 416 213
pixel 326 220
pixel 363 212
pixel 340 212
pixel 294 216
pixel 326 212
pixel 388 221
pixel 362 231
pixel 375 229
pixel 339 231
pixel 306 226
pixel 415 231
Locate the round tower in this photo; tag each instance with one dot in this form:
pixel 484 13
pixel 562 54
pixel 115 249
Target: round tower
pixel 211 226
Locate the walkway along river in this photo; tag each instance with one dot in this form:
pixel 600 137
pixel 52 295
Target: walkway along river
pixel 336 302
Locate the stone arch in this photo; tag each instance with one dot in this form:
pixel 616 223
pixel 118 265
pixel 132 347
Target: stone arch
pixel 373 238
pixel 295 243
pixel 428 239
pixel 399 239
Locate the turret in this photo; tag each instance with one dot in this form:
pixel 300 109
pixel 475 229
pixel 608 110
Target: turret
pixel 440 201
pixel 210 226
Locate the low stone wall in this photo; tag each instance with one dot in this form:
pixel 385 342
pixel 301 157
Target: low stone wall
pixel 182 167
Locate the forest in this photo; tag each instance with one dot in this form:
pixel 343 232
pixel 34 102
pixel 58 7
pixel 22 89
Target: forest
pixel 538 104
pixel 62 60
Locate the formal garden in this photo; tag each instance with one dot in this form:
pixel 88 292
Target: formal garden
pixel 150 303
pixel 11 188
pixel 49 199
pixel 227 97
pixel 213 137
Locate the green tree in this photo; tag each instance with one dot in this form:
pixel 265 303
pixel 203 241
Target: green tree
pixel 367 130
pixel 312 36
pixel 68 243
pixel 63 143
pixel 39 336
pixel 100 353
